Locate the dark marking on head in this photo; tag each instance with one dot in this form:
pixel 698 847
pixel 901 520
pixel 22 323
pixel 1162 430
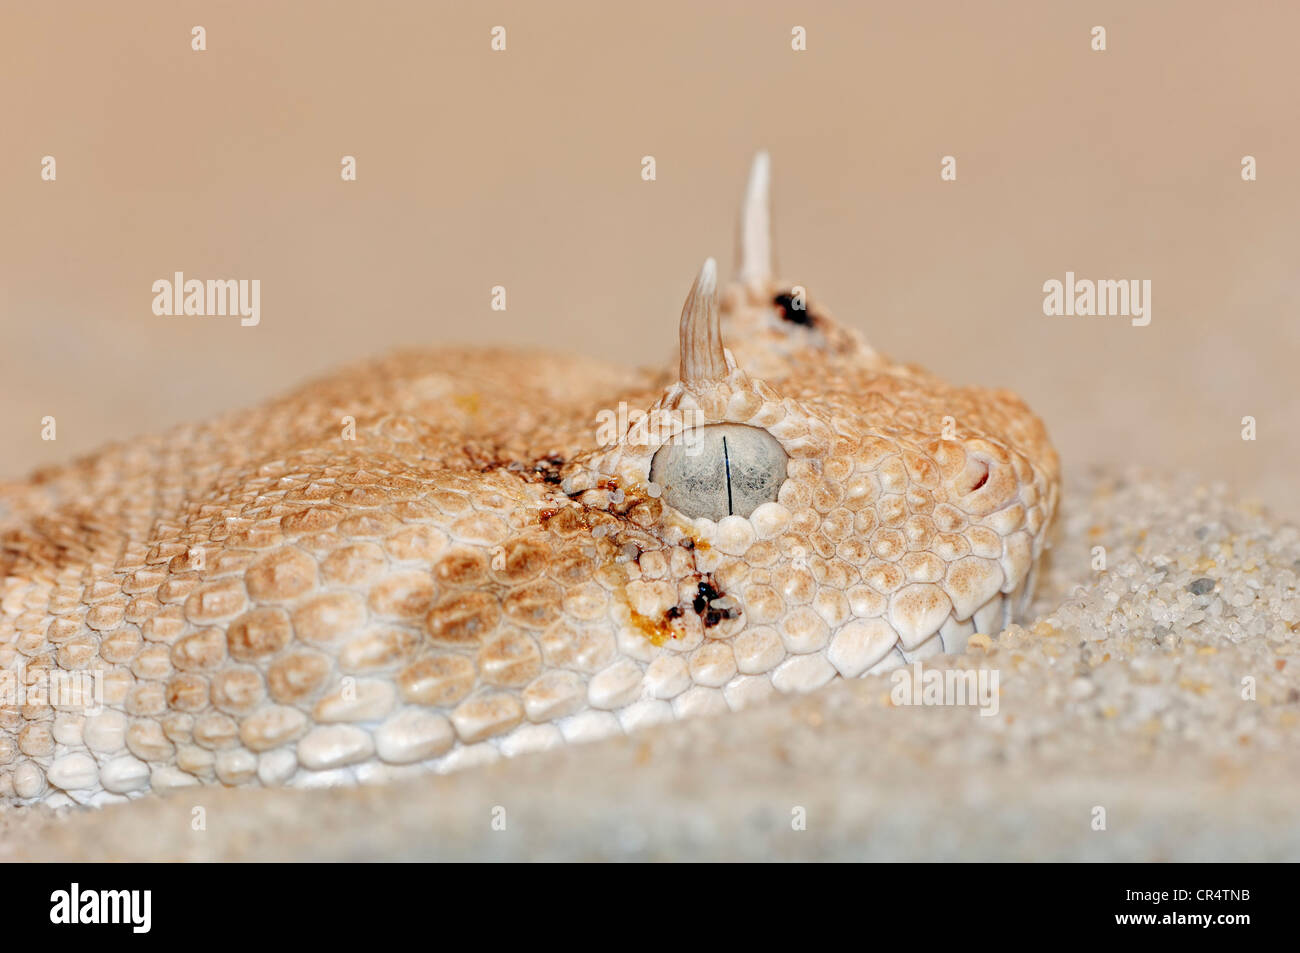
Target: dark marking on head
pixel 548 468
pixel 705 593
pixel 785 303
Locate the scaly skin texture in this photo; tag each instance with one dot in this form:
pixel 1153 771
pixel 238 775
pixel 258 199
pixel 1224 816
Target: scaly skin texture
pixel 266 600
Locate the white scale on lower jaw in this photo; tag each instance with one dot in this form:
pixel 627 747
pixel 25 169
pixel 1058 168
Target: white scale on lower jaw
pixel 951 638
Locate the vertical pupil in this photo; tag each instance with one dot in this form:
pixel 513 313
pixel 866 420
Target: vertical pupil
pixel 726 462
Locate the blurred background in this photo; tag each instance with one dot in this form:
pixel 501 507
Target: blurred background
pixel 522 168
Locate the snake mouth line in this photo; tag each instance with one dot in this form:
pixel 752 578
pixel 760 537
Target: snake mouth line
pixel 953 636
pixel 878 655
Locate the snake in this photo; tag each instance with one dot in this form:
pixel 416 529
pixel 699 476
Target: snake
pixel 442 557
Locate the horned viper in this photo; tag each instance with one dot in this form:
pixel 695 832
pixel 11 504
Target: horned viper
pixel 441 557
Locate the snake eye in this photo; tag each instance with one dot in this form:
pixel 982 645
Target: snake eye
pixel 720 470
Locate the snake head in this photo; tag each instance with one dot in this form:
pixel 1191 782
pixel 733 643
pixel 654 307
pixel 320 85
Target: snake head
pixel 846 514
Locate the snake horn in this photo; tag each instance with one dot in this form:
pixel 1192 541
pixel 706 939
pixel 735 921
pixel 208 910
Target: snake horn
pixel 756 223
pixel 701 337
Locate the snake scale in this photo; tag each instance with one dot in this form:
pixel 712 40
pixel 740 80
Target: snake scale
pixel 436 559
